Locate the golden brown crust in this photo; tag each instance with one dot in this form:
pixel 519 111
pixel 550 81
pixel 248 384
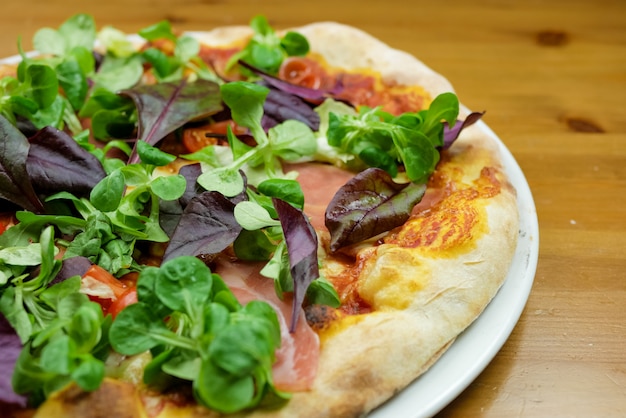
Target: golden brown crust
pixel 424 295
pixel 114 398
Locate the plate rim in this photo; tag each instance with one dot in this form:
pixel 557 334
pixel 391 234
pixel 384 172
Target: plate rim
pixel 444 381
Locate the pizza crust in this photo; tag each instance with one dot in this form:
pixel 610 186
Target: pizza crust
pixel 366 359
pixel 346 47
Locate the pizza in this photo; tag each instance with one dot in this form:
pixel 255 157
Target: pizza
pixel 237 222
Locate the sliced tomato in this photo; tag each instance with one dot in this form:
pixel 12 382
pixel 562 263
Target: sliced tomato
pixel 102 287
pixel 301 71
pixel 6 220
pixel 130 279
pixel 166 46
pixel 123 291
pixel 99 274
pixel 128 298
pixel 218 58
pixel 195 138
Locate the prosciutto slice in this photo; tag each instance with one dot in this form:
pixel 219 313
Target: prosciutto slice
pixel 319 184
pixel 297 358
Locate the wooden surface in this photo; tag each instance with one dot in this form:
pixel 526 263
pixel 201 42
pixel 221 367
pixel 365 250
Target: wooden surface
pixel 552 77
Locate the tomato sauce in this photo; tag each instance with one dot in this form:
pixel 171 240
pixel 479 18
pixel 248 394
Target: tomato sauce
pixel 217 59
pixel 360 87
pixel 346 286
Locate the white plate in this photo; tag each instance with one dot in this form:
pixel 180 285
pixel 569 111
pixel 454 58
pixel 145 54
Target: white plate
pixel 480 342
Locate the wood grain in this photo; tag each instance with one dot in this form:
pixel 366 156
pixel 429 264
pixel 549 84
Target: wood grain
pixel 552 77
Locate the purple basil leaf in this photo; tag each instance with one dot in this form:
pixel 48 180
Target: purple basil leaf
pixel 170 211
pixel 191 173
pixel 268 122
pixel 25 126
pixel 369 204
pixel 280 106
pixel 165 107
pixel 15 185
pixel 57 163
pixel 70 267
pixel 300 91
pixel 10 347
pixel 301 241
pixel 451 134
pixel 207 226
pixel 74 266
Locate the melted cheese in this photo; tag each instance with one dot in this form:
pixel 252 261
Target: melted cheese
pixel 392 278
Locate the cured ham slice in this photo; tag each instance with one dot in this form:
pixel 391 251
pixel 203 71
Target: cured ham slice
pixel 319 183
pixel 297 358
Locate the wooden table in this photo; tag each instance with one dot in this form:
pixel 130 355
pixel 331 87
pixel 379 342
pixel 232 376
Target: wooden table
pixel 552 76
